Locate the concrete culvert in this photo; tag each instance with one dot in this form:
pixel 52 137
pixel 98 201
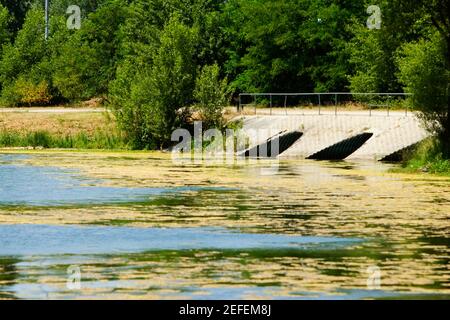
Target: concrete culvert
pixel 274 146
pixel 343 149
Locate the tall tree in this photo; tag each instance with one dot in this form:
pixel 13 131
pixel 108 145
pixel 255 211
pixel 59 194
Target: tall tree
pixel 437 14
pixel 290 45
pixel 149 100
pixel 23 57
pixel 18 11
pixel 440 16
pixel 86 62
pixel 5 19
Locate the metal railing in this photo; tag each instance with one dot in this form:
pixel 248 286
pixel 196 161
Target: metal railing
pixel 331 99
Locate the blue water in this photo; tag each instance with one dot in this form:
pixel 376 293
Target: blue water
pixel 38 186
pixel 31 254
pixel 51 240
pixel 48 186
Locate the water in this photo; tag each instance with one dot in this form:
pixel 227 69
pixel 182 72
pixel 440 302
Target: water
pixel 19 240
pixel 139 226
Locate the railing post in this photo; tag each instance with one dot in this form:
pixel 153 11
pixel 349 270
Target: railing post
pixel 239 104
pixel 388 106
pixel 270 104
pixel 241 101
pixel 285 104
pixel 335 104
pixel 320 103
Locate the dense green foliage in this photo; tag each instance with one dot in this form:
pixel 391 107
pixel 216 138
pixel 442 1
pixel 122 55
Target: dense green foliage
pixel 291 45
pixel 211 96
pixel 4 22
pixel 161 89
pixel 428 157
pixel 156 61
pixel 423 71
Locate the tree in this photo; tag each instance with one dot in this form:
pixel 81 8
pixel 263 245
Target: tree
pixel 439 11
pixel 86 62
pixel 24 58
pixel 5 20
pixel 368 60
pixel 411 49
pixel 146 19
pixel 18 11
pixel 159 93
pixel 211 96
pixel 372 51
pixel 423 72
pixel 435 14
pixel 290 45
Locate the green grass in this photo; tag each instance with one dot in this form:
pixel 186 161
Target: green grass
pixel 81 140
pixel 429 157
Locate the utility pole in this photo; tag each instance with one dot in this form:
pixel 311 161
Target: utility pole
pixel 46 19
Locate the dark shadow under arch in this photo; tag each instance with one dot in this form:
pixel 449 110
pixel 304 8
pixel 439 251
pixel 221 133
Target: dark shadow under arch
pixel 401 154
pixel 343 149
pixel 268 149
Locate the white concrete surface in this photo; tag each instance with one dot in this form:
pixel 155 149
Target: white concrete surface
pixel 391 133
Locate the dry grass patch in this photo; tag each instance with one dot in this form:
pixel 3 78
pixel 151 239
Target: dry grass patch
pixel 57 123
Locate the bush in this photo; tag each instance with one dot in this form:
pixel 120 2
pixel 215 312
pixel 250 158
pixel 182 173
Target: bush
pixel 29 93
pixel 430 156
pixel 154 106
pixel 423 72
pixel 211 96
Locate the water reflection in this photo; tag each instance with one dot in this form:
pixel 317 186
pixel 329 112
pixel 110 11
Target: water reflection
pixel 31 239
pixel 200 274
pixel 404 221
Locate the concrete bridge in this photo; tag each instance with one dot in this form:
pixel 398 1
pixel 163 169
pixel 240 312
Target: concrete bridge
pixel 375 136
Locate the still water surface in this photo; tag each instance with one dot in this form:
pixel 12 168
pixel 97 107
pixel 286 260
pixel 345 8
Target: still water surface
pixel 139 226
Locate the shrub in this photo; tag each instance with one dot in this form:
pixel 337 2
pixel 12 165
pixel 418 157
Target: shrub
pixel 211 96
pixel 154 106
pixel 423 72
pixel 30 93
pixel 430 156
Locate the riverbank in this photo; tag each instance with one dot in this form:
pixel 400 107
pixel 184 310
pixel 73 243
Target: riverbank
pixel 94 128
pixel 428 158
pixel 60 128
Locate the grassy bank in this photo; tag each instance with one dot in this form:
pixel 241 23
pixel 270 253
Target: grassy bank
pixel 429 157
pixel 77 130
pixel 44 139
